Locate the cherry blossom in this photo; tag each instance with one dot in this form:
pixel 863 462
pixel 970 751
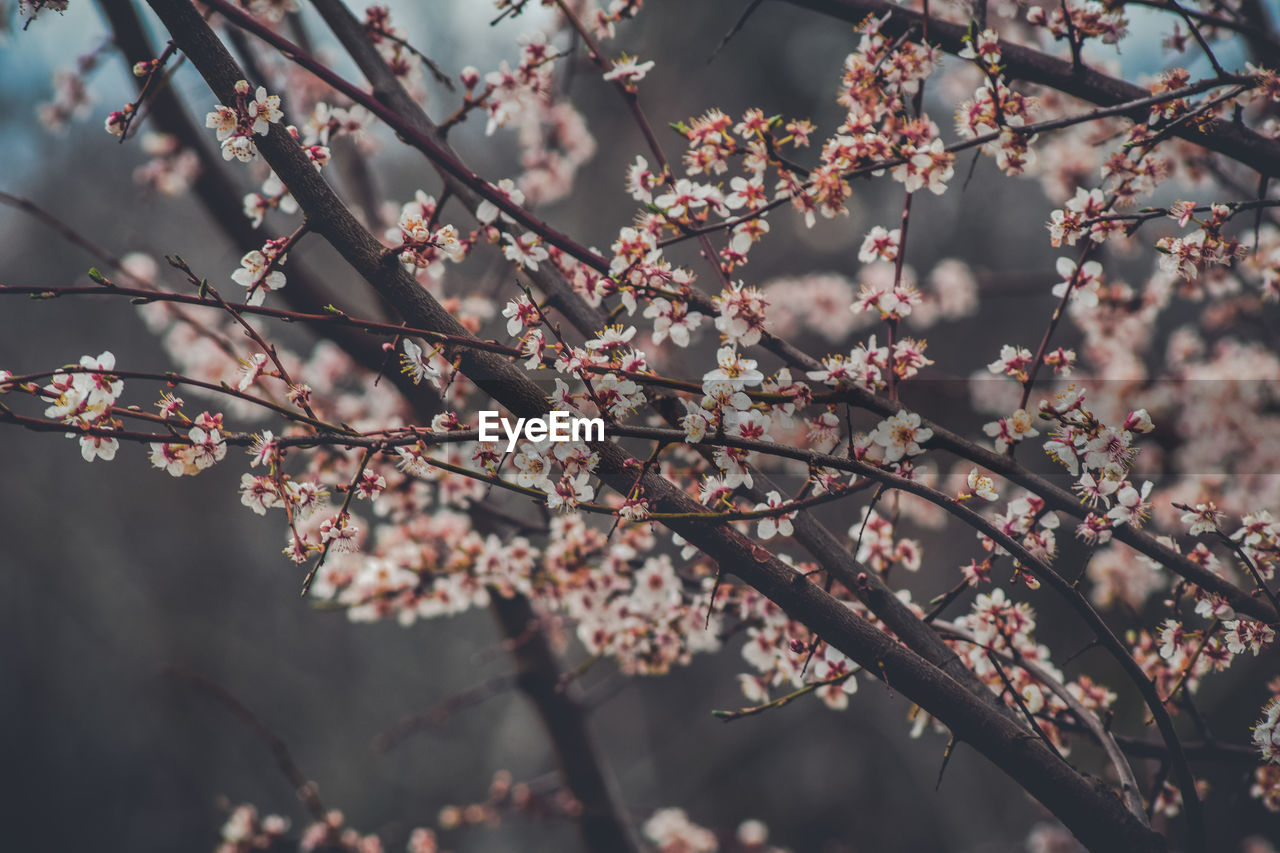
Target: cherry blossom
pixel 1131 506
pixel 339 534
pixel 258 274
pixel 900 436
pixel 880 245
pixel 628 71
pixel 1266 732
pixel 525 250
pixel 1013 361
pixel 417 365
pixel 487 211
pixel 236 126
pixel 672 832
pixel 1009 431
pixel 769 527
pixel 981 486
pixel 672 320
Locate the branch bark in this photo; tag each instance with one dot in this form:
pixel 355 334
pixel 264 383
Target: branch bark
pixel 565 720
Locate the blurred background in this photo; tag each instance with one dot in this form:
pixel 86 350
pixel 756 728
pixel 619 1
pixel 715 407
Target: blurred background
pixel 113 572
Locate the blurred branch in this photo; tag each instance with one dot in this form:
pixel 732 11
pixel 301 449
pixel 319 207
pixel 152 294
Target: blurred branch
pixel 604 827
pixel 442 712
pixel 64 230
pixel 305 788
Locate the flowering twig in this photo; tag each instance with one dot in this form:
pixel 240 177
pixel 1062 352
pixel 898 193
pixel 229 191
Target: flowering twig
pixel 342 517
pixel 1088 719
pixel 268 349
pixel 152 71
pixel 1043 348
pixel 1034 66
pixel 730 716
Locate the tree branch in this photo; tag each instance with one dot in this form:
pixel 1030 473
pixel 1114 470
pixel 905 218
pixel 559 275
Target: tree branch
pixel 1023 63
pixel 1097 818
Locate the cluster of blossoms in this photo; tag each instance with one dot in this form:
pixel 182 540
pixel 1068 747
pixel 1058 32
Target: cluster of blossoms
pixel 84 400
pixel 273 11
pixel 1266 737
pixel 328 122
pixel 72 95
pixel 641 616
pixel 820 302
pixel 422 244
pixel 393 46
pixel 1099 456
pixel 323 125
pixel 553 135
pixel 998 631
pixel 1188 256
pixel 740 316
pixel 1078 21
pixel 1026 521
pixel 246 831
pixel 33 8
pixel 236 126
pixel 204 447
pixel 671 831
pixel 997 110
pixel 879 549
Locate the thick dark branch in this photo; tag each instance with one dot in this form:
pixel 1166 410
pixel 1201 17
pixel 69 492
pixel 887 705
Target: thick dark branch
pixel 305 789
pixel 565 720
